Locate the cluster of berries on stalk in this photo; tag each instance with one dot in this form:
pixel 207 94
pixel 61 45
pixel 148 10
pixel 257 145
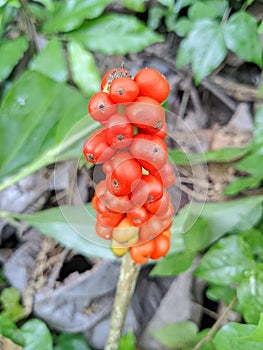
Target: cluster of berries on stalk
pixel 134 209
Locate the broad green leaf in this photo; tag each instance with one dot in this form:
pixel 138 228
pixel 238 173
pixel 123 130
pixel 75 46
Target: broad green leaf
pixel 174 264
pixel 135 5
pixel 184 53
pixel 51 61
pixel 37 335
pixel 197 237
pixel 231 216
pixel 254 238
pixel 128 342
pixel 176 335
pixel 252 164
pixel 217 293
pixel 207 9
pixel 230 337
pixel 242 183
pixel 177 239
pixel 70 14
pixel 71 342
pixel 201 9
pixel 10 299
pixel 257 334
pixel 222 155
pixel 226 261
pixel 73 227
pixel 36 115
pixel 258 128
pixel 11 52
pixel 250 294
pixel 115 34
pixel 204 47
pixel 241 37
pixel 84 71
pixel 183 26
pixel 239 215
pixel 9 330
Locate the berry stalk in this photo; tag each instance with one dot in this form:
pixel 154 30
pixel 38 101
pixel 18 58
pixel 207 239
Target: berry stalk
pixel 126 284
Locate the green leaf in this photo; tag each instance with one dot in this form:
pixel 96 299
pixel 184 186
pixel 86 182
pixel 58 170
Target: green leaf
pixel 167 3
pixel 177 335
pixel 201 10
pixel 207 9
pixel 155 16
pixel 177 238
pixel 222 155
pixel 170 20
pixel 50 122
pixel 258 127
pixel 183 26
pixel 9 330
pixel 84 71
pixel 180 4
pixel 198 236
pixel 51 61
pixel 3 2
pixel 70 14
pixel 10 299
pixel 128 342
pixel 37 335
pixel 204 47
pixel 257 334
pixel 241 37
pixel 173 264
pixel 239 215
pixel 47 3
pixel 242 183
pixel 254 238
pixel 250 294
pixel 230 337
pixel 200 336
pixel 11 52
pixel 252 164
pixel 114 34
pixel 217 293
pixel 231 216
pixel 226 261
pixel 77 223
pixel 67 341
pixel 135 5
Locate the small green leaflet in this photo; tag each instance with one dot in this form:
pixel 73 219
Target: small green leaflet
pixel 11 52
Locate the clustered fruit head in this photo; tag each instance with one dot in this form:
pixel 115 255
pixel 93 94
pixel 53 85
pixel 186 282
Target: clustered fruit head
pixel 134 209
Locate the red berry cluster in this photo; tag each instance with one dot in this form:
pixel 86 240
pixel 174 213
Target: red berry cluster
pixel 133 207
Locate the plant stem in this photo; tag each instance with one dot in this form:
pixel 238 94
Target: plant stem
pixel 32 33
pixel 127 280
pixel 216 325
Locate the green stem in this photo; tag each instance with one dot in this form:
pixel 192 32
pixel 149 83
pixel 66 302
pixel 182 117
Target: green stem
pixel 127 280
